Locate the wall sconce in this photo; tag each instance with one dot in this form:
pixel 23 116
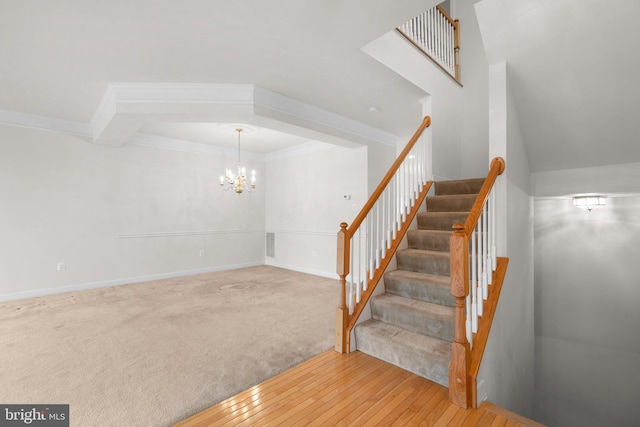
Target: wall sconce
pixel 589 202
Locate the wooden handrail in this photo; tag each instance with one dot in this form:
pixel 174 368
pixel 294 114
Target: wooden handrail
pixel 461 382
pixel 497 167
pixel 344 321
pixel 484 326
pixel 446 15
pixel 426 122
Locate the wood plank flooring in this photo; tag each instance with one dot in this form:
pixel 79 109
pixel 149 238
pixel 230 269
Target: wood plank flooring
pixel 349 390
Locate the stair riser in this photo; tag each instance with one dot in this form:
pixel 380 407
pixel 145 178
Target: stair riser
pixel 419 291
pixel 433 264
pixel 433 366
pixel 440 220
pixel 421 239
pixel 466 186
pixel 461 203
pixel 437 326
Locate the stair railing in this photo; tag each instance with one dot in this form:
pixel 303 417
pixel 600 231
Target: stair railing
pixel 437 36
pixel 366 247
pixel 473 263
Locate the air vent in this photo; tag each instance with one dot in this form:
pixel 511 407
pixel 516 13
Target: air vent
pixel 271 244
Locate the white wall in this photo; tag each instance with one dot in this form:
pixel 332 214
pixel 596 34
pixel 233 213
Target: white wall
pixel 621 178
pixel 460 122
pixel 508 367
pixel 586 284
pixel 474 104
pixel 305 193
pixel 116 215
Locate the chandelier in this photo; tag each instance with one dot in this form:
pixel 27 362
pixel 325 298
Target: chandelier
pixel 238 181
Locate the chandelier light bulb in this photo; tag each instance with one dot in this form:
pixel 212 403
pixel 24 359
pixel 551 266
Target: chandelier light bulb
pixel 238 182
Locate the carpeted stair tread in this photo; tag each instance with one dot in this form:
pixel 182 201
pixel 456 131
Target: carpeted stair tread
pixel 460 186
pixel 430 262
pixel 440 220
pixel 420 286
pixel 414 315
pixel 413 323
pixel 451 203
pixel 429 240
pixel 421 354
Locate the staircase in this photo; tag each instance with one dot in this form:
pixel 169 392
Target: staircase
pixel 412 323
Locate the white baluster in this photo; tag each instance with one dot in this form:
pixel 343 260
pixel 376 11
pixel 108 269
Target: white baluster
pixel 430 32
pixel 448 46
pixel 487 257
pixel 350 302
pixel 389 226
pixel 383 233
pixel 360 281
pixel 380 232
pixel 407 195
pixel 494 252
pixel 394 190
pixel 473 285
pixel 439 38
pixel 412 172
pixel 403 186
pixel 425 19
pixel 468 323
pixel 481 233
pixel 443 29
pixel 421 25
pixel 443 38
pixel 352 271
pixel 370 246
pixel 419 160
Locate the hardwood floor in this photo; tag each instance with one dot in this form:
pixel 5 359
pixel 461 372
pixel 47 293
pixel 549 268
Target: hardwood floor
pixel 349 390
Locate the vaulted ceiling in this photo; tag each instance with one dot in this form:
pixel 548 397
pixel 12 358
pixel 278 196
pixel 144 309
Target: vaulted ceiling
pixel 574 66
pixel 572 63
pixel 59 58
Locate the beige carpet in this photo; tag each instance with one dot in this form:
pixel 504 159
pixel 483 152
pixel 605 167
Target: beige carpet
pixel 151 354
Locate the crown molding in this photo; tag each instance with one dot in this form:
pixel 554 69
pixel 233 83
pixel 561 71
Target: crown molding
pixel 51 124
pixel 125 107
pixel 326 119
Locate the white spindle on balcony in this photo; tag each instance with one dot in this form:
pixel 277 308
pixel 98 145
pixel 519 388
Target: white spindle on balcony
pixel 435 33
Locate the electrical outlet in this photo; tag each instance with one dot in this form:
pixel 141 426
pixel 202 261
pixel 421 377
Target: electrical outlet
pixel 201 252
pixel 315 254
pixel 61 266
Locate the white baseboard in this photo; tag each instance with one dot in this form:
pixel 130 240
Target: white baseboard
pixel 303 270
pixel 117 282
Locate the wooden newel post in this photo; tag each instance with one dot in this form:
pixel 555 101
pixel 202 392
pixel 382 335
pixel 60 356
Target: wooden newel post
pixel 459 384
pixel 342 313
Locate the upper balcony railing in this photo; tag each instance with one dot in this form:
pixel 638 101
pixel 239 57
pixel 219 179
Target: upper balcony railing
pixel 437 36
